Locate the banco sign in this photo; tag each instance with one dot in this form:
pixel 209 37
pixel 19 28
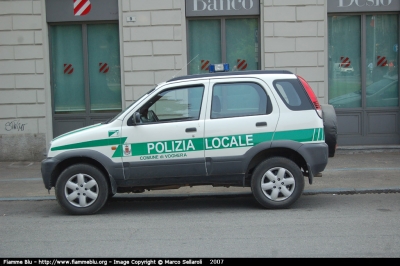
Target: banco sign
pixel 222 7
pixel 201 5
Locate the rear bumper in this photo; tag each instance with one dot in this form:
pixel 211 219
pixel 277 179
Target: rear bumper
pixel 316 157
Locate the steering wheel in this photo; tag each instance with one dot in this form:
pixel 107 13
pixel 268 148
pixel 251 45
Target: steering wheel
pixel 151 116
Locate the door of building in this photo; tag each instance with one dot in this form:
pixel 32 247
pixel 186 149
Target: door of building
pixel 85 74
pixel 363 77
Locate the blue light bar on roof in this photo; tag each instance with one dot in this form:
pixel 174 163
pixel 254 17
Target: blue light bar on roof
pixel 219 68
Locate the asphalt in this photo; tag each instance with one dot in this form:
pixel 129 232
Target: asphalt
pixel 354 169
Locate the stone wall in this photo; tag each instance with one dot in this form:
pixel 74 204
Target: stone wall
pixel 154 45
pixel 294 40
pixel 22 81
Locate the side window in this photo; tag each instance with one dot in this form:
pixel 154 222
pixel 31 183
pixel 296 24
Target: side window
pixel 293 94
pixel 239 99
pixel 173 105
pixel 288 93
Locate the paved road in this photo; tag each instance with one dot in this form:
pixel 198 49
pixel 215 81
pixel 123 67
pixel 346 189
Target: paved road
pixel 190 222
pixel 323 225
pixel 350 171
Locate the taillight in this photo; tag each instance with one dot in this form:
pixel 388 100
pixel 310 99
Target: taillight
pixel 312 96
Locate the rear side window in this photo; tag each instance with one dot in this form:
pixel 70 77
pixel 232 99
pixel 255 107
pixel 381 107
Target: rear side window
pixel 293 94
pixel 239 99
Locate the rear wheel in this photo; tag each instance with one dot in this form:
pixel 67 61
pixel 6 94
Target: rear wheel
pixel 277 183
pixel 81 189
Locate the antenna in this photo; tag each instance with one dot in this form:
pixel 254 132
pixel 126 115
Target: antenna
pixel 185 66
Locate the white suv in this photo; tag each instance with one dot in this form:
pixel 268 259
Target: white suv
pixel 258 129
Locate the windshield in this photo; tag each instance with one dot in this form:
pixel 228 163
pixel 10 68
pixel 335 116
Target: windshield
pixel 112 119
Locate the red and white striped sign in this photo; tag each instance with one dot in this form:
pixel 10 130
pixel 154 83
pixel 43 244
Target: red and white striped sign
pixel 372 23
pixel 103 68
pixel 68 69
pixel 345 61
pixel 381 61
pixel 241 64
pixel 205 65
pixel 82 7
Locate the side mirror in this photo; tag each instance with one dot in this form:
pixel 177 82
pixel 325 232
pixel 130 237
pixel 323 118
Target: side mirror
pixel 134 120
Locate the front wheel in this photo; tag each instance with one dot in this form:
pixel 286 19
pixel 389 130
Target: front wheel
pixel 81 189
pixel 277 183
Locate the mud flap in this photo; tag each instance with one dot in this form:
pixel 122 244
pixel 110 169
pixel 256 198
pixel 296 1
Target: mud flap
pixel 330 127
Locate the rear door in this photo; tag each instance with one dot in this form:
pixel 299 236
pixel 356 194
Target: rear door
pixel 242 114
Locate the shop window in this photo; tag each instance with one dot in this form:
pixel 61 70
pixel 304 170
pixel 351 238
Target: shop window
pixel 233 41
pixel 345 61
pixel 85 68
pixel 67 69
pixel 382 71
pixel 363 78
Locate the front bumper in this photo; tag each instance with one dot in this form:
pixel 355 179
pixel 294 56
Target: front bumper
pixel 47 168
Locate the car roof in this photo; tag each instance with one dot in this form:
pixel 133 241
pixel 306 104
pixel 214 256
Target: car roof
pixel 222 74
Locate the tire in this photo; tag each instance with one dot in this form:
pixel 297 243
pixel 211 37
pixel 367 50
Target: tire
pixel 277 183
pixel 81 189
pixel 330 127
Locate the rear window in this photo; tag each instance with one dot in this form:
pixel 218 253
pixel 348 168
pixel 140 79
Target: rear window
pixel 293 94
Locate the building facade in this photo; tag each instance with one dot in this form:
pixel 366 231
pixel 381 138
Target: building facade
pixel 66 64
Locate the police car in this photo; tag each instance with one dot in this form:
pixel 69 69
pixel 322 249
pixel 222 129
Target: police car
pixel 259 129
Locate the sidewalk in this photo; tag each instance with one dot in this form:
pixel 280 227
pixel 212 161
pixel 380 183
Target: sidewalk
pixel 352 170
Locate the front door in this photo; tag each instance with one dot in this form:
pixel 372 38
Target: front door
pixel 167 140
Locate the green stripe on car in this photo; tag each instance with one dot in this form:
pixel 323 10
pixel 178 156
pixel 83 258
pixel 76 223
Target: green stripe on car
pixel 91 144
pixel 214 143
pixel 197 144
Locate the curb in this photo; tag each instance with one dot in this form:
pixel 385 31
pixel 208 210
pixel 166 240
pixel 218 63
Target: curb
pixel 337 191
pixel 367 149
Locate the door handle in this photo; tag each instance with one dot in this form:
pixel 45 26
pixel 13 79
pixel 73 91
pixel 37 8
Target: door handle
pixel 191 129
pixel 261 124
